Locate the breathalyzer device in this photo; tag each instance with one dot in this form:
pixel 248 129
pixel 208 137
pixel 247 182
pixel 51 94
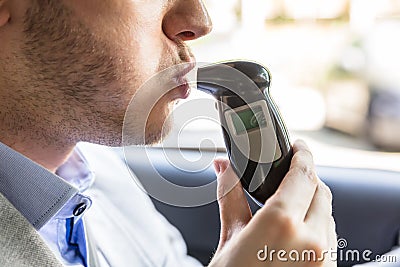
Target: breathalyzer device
pixel 255 135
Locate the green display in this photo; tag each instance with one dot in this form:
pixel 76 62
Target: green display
pixel 248 119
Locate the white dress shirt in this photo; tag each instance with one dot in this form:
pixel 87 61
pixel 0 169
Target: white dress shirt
pixel 124 226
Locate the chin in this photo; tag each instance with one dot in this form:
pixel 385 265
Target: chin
pixel 146 123
pixel 156 132
pixel 159 122
pixel 157 127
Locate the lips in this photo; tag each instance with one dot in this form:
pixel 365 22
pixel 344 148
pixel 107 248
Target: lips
pixel 183 89
pixel 183 70
pixel 181 92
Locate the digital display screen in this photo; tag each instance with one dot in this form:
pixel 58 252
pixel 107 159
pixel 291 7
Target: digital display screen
pixel 248 119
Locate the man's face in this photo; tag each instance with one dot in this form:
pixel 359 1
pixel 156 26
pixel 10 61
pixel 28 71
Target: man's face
pixel 70 68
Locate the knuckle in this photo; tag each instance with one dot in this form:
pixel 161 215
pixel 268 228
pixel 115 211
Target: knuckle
pixel 305 170
pixel 284 224
pixel 305 153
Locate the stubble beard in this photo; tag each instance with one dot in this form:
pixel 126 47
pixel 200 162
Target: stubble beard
pixel 69 71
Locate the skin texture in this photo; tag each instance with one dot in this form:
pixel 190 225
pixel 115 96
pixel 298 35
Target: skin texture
pixel 68 71
pixel 298 217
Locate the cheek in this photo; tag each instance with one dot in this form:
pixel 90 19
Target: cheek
pixel 148 56
pixel 161 110
pixel 142 52
pixel 132 32
pixel 134 27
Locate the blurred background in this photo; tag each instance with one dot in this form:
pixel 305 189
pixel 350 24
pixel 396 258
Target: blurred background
pixel 335 73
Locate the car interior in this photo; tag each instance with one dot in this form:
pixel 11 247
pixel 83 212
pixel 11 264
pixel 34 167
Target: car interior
pixel 365 207
pixel 334 67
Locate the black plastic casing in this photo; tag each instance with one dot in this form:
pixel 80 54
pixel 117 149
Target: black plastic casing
pixel 239 83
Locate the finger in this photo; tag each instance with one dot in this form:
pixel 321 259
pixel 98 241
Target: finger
pixel 332 234
pixel 297 189
pixel 320 211
pixel 319 219
pixel 331 257
pixel 234 209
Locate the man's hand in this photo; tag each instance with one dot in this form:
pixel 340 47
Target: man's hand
pixel 294 228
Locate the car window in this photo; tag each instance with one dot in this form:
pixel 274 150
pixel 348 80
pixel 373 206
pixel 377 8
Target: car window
pixel 334 66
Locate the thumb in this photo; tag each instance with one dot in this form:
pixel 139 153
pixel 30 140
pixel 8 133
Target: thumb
pixel 234 209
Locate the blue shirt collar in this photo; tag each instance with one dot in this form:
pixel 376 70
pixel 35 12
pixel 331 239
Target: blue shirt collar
pixel 34 191
pixel 76 171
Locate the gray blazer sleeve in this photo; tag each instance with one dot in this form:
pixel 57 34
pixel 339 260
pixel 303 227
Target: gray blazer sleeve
pixel 20 244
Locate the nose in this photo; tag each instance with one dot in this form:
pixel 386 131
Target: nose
pixel 187 20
